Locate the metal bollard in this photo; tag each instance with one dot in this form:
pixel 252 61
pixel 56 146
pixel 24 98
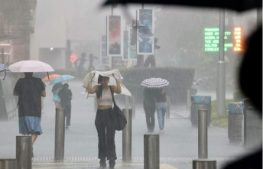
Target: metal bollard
pixel 126 102
pixel 133 106
pixel 188 99
pixel 151 151
pixel 24 152
pixel 127 136
pixel 202 134
pixel 59 134
pixel 95 103
pixel 168 107
pixel 8 164
pixel 204 164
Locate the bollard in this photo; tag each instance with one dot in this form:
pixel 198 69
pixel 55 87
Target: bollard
pixel 151 151
pixel 127 136
pixel 126 102
pixel 168 107
pixel 24 152
pixel 188 99
pixel 204 164
pixel 202 134
pixel 95 103
pixel 59 134
pixel 133 106
pixel 8 164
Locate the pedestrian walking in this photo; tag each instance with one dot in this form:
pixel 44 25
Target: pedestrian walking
pixel 91 59
pixel 149 105
pixel 29 91
pixel 81 64
pixel 161 106
pixel 55 90
pixel 65 95
pixel 104 122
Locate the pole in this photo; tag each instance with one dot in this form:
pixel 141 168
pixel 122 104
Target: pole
pixel 259 17
pixel 111 10
pixel 24 152
pixel 95 103
pixel 127 136
pixel 126 102
pixel 151 151
pixel 3 56
pixel 8 164
pixel 204 164
pixel 59 134
pixel 202 134
pixel 168 100
pixel 188 99
pixel 133 106
pixel 221 66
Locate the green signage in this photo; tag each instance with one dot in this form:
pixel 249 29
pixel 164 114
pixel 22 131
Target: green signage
pixel 211 38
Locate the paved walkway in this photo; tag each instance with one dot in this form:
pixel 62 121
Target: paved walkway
pixel 179 139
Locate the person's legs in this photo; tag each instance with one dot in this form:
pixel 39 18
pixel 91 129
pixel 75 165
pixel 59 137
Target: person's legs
pixel 164 109
pixel 102 136
pixel 159 115
pixel 147 115
pixel 110 134
pixel 152 124
pixel 34 137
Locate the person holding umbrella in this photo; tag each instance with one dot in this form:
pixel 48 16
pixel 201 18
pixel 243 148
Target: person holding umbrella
pixel 154 94
pixel 65 95
pixel 29 91
pixel 103 122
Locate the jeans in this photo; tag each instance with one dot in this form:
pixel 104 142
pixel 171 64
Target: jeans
pixel 149 113
pixel 106 133
pixel 161 109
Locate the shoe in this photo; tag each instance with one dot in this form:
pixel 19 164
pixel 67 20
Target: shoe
pixel 103 163
pixel 112 164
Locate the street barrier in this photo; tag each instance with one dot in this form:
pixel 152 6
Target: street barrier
pixel 59 134
pixel 151 151
pixel 8 164
pixel 24 152
pixel 127 136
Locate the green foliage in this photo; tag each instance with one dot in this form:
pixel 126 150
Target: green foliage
pixel 222 119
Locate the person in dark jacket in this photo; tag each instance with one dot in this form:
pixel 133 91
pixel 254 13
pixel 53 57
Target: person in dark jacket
pixel 149 105
pixel 65 95
pixel 29 91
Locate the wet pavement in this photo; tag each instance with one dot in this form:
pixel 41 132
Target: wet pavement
pixel 178 143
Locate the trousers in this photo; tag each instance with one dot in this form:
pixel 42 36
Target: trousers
pixel 106 134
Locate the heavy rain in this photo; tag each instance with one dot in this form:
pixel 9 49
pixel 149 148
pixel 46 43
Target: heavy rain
pixel 85 85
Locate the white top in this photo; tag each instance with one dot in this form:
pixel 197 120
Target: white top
pixel 106 98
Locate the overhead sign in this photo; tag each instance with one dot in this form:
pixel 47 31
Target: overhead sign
pixel 114 36
pixel 211 38
pixel 145 32
pixel 238 47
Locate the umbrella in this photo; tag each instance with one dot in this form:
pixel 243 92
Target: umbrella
pixel 30 66
pixel 3 68
pixel 61 78
pixel 50 77
pixel 155 83
pixel 236 5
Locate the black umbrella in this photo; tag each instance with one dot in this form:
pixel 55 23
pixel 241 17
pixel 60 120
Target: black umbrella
pixel 236 5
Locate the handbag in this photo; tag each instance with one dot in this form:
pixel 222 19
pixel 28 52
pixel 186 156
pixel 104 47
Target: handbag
pixel 117 116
